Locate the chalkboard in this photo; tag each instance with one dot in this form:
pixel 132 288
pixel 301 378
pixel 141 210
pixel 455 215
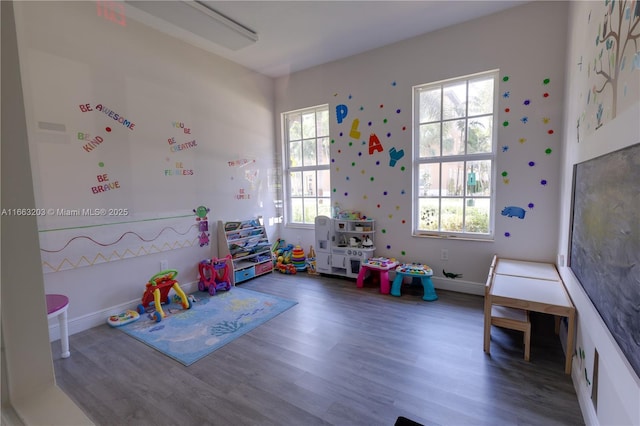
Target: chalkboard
pixel 605 242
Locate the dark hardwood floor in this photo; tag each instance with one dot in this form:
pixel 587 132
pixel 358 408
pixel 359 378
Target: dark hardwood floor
pixel 341 356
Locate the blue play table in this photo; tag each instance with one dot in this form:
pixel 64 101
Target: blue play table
pixel 415 270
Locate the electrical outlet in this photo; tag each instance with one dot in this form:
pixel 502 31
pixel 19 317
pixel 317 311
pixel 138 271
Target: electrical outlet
pixel 164 265
pixel 444 254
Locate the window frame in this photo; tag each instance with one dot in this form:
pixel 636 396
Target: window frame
pixel 287 169
pixel 464 157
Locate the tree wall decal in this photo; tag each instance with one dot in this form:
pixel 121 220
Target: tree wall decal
pixel 618 32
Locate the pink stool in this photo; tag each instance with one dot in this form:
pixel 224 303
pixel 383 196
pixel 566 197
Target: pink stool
pixel 57 305
pixel 381 265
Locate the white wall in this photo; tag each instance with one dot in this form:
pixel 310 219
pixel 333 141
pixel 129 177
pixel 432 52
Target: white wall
pixel 376 85
pixel 618 395
pixel 154 80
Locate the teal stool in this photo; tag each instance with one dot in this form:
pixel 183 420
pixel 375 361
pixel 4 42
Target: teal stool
pixel 415 270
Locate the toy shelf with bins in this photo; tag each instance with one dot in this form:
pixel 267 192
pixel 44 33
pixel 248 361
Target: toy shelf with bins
pixel 247 243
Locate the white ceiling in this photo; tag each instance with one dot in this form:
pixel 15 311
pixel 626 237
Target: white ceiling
pixel 295 35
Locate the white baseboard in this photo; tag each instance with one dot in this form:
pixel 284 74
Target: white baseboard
pixel 584 395
pixel 459 286
pixel 94 319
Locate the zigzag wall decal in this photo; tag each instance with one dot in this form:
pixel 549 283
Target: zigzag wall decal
pixel 115 255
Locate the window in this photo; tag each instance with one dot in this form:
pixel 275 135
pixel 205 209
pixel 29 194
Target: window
pixel 454 154
pixel 306 165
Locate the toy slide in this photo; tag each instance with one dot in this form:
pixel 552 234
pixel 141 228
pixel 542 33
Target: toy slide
pixel 123 318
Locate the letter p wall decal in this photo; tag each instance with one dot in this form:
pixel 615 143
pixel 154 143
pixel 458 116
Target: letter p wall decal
pixel 341 112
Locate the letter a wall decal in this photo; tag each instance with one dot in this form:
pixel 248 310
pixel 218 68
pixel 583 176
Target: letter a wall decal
pixel 374 144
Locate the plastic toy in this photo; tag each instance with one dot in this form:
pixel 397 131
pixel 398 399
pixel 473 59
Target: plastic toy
pixel 123 318
pixel 451 275
pixel 311 261
pixel 298 259
pixel 286 268
pixel 282 252
pixel 214 275
pixel 157 292
pixel 415 270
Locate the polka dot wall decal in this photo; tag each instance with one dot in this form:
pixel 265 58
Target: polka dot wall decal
pixel 381 105
pixel 506 94
pixel 334 190
pixel 393 83
pixel 101 164
pixel 532 163
pixel 370 123
pixel 403 192
pixel 507 110
pixel 364 197
pixel 397 207
pixel 361 108
pixel 404 253
pixel 404 221
pixel 383 230
pixel 504 174
pixel 362 172
pixel 359 154
pixel 341 134
pixel 505 123
pixel 527 102
pixel 378 205
pixel 545 94
pixel 350 143
pixel 543 182
pixel 545 120
pixel 384 121
pixel 530 205
pixel 346 194
pixel 548 151
pixel 378 163
pixel 507 234
pixel 371 178
pixel 404 128
pixel 398 111
pixel 388 134
pixel 505 148
pixel 333 141
pixel 546 81
pixel 353 163
pixel 108 129
pixel 390 216
pixel 384 193
pixel 522 140
pixel 524 120
pixel 402 168
pixel 388 247
pixel 550 131
pixel 505 78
